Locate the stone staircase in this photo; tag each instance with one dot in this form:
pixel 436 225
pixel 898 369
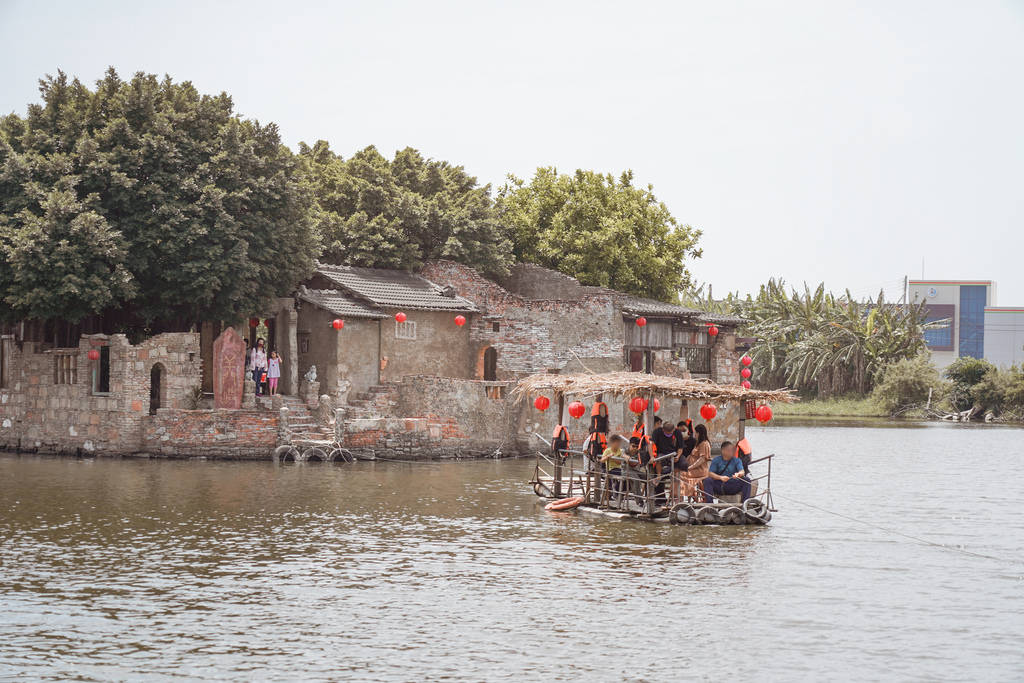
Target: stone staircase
pixel 375 402
pixel 306 433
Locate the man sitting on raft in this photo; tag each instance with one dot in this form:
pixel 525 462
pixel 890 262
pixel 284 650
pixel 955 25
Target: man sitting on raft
pixel 726 476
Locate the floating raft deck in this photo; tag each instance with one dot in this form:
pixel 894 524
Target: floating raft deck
pixel 753 512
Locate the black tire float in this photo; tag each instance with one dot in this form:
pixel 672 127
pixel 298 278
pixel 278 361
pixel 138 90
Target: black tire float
pixel 708 515
pixel 682 514
pixel 756 511
pixel 285 454
pixel 733 515
pixel 314 455
pixel 340 455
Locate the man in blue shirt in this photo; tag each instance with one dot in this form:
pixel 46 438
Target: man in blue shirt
pixel 726 475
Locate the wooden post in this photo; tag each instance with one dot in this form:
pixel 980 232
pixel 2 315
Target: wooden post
pixel 649 431
pixel 558 456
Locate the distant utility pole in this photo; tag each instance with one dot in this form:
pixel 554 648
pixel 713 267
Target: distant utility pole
pixel 906 290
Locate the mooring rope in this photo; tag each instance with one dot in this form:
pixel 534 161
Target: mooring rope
pixel 898 533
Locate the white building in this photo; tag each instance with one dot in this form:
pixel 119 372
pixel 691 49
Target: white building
pixel 977 328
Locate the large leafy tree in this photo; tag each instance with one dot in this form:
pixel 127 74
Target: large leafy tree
pixel 148 197
pixel 394 214
pixel 599 230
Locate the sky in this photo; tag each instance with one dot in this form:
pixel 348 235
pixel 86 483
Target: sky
pixel 851 143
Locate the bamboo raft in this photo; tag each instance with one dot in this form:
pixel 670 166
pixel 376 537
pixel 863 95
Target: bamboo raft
pixel 567 473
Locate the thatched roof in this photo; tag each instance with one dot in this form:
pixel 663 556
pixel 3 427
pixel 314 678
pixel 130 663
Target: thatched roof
pixel 630 384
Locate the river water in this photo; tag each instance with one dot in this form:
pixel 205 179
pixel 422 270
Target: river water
pixel 137 570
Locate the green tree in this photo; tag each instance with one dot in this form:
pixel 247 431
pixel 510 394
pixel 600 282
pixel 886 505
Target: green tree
pixel 908 383
pixel 395 214
pixel 966 373
pixel 599 230
pixel 197 214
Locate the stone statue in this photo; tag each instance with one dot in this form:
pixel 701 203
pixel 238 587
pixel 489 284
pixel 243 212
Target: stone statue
pixel 310 375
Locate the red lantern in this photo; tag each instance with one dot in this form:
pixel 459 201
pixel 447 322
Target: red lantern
pixel 746 360
pixel 338 324
pixel 745 384
pixel 641 321
pixel 460 320
pixel 541 403
pixel 94 354
pixel 745 373
pixel 576 409
pixel 657 405
pixel 267 322
pixel 763 414
pixel 638 405
pixel 713 331
pixel 254 322
pixel 708 412
pixel 400 317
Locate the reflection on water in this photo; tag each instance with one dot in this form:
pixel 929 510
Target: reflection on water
pixel 177 570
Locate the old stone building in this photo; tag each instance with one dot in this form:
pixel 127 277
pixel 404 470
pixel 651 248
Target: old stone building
pixel 424 386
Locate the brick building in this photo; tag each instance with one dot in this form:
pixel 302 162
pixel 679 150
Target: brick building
pixel 423 387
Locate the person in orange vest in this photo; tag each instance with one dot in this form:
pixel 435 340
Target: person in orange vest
pixel 743 452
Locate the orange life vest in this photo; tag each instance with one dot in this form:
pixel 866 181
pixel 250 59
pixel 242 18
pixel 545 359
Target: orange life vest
pixel 598 429
pixel 560 439
pixel 639 431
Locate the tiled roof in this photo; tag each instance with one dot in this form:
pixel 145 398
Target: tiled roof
pixel 341 304
pixel 640 306
pixel 722 319
pixel 394 289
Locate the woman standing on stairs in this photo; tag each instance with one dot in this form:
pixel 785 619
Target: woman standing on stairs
pixel 258 363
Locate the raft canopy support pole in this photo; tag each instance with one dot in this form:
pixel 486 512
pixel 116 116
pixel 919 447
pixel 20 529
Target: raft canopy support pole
pixel 558 456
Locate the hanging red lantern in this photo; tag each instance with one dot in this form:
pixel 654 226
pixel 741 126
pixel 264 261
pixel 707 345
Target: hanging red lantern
pixel 745 373
pixel 460 320
pixel 708 412
pixel 763 414
pixel 641 321
pixel 267 322
pixel 400 317
pixel 576 409
pixel 713 331
pixel 657 405
pixel 746 360
pixel 638 405
pixel 254 322
pixel 745 384
pixel 94 354
pixel 338 324
pixel 541 403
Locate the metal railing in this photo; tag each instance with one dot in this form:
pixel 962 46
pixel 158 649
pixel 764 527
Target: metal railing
pixel 640 489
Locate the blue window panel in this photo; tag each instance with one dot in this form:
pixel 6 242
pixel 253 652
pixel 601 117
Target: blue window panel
pixel 972 320
pixel 940 337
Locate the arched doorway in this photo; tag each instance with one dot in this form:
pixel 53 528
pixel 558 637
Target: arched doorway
pixel 490 364
pixel 156 376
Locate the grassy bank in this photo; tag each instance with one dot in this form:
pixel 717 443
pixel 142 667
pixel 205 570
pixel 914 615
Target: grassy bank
pixel 846 406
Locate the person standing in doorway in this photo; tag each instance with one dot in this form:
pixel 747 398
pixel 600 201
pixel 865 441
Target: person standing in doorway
pixel 258 363
pixel 273 372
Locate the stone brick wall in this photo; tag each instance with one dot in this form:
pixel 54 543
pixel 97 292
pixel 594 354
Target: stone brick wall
pixel 537 335
pixel 239 434
pixel 439 417
pixel 51 404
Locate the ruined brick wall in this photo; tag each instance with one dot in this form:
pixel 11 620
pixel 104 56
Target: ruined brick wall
pixel 52 406
pixel 438 417
pixel 239 434
pixel 537 335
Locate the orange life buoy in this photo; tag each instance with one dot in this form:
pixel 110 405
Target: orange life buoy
pixel 564 504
